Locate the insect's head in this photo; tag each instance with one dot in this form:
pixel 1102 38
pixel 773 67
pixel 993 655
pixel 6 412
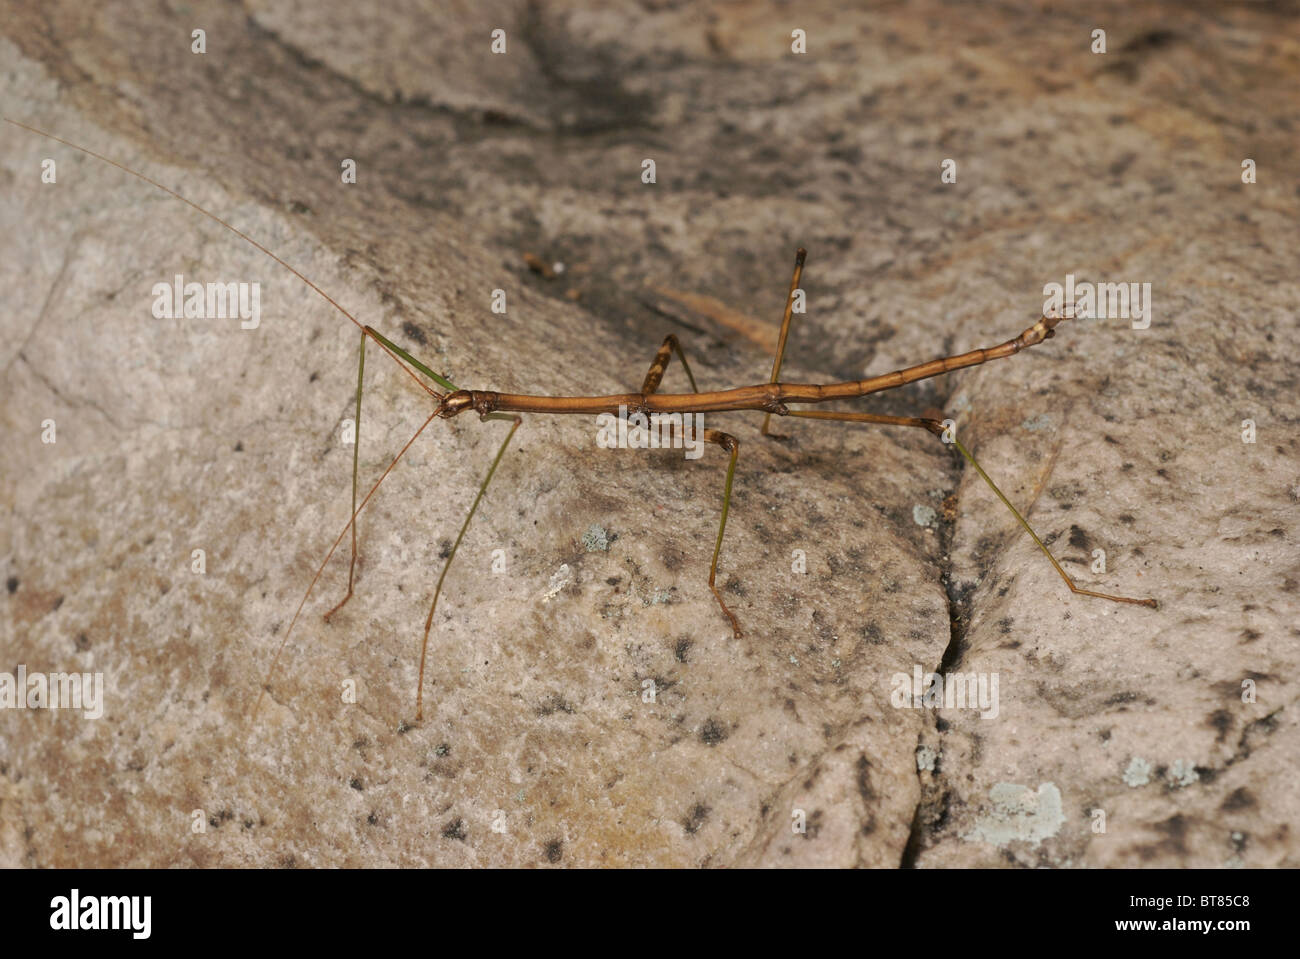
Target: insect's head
pixel 454 403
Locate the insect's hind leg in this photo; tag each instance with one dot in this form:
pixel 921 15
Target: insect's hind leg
pixel 937 428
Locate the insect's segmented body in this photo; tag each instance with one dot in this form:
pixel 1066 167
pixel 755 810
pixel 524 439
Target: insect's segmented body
pixel 763 397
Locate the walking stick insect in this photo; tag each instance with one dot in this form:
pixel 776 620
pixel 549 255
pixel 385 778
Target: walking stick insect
pixel 770 397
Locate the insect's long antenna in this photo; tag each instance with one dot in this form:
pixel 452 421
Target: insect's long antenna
pixel 321 568
pixel 190 203
pixel 211 216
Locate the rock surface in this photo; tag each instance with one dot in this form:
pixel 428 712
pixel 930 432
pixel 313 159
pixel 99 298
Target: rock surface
pixel 1123 736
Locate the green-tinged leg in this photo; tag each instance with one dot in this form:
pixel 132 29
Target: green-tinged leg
pixel 356 448
pixel 1016 513
pixel 653 378
pixel 284 642
pixel 428 623
pixel 935 427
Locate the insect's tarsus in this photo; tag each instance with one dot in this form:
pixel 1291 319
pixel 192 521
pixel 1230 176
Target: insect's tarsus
pixel 772 397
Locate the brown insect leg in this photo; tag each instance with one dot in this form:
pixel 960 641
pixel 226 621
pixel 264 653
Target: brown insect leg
pixel 799 258
pixel 660 363
pixel 731 444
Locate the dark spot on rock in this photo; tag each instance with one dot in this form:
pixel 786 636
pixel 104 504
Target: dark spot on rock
pixel 373 819
pixel 682 648
pixel 1117 168
pixel 871 633
pixel 82 642
pixel 1078 538
pixel 314 377
pixel 864 780
pixel 239 447
pixel 1150 40
pixel 1175 828
pixel 444 549
pixel 695 819
pixel 455 830
pixel 1004 625
pixel 1250 635
pixel 1238 800
pixel 1220 720
pixel 712 732
pixel 355 783
pixel 11 584
pixel 555 703
pixel 554 850
pixel 414 333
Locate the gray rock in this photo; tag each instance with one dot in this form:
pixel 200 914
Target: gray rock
pixel 539 744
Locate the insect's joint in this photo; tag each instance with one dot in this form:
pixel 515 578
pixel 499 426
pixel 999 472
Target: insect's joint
pixel 483 402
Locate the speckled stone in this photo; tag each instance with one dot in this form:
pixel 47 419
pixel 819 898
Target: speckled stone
pixel 590 706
